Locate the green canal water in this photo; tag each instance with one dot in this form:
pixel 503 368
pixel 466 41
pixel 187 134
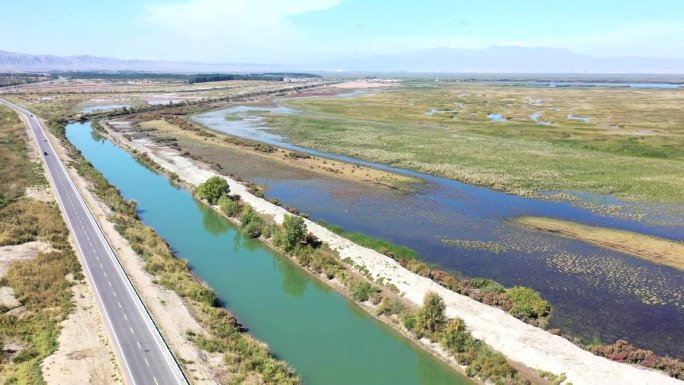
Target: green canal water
pixel 326 338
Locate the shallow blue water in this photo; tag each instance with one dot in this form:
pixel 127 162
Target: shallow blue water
pixel 104 107
pixel 496 118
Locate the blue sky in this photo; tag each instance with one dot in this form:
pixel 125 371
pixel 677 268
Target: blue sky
pixel 300 31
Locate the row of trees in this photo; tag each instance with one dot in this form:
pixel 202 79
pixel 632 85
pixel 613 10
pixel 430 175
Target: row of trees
pixel 216 190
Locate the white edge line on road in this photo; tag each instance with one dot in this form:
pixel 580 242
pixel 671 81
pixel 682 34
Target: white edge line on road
pixel 165 350
pixel 78 246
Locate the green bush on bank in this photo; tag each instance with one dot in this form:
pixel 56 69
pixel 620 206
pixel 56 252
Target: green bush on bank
pixel 212 189
pixel 363 291
pixel 251 223
pixel 229 206
pixel 430 319
pixel 528 305
pixel 295 232
pixel 480 360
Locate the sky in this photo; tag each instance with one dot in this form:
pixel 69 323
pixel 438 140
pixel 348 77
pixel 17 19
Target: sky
pixel 306 31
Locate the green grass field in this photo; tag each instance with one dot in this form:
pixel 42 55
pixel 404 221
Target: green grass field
pixel 633 145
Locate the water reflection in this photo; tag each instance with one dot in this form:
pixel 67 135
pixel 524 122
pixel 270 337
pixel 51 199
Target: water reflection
pixel 211 221
pixel 294 282
pixel 96 136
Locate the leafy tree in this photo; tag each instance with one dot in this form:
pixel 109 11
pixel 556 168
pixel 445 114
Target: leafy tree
pixel 212 189
pixel 430 318
pixel 295 231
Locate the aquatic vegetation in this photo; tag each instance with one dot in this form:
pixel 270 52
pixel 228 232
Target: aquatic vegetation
pixel 641 161
pixel 492 247
pixel 384 247
pixel 653 287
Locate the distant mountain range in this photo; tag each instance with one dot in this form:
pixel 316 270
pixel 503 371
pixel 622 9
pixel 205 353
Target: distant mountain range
pixel 14 61
pixel 497 59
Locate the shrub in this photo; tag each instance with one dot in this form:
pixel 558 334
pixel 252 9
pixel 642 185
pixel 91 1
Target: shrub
pixel 455 338
pixel 203 294
pixel 295 232
pixel 252 224
pixel 390 306
pixel 229 206
pixel 430 318
pixel 212 189
pixel 363 291
pixel 409 321
pixel 527 304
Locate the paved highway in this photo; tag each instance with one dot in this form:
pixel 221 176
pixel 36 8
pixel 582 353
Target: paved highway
pixel 144 357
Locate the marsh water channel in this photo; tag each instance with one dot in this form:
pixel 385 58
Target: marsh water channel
pixel 326 338
pixel 597 294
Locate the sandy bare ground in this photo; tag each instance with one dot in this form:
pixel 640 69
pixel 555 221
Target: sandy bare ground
pixel 517 340
pixel 167 308
pixel 84 356
pixel 40 193
pixel 9 254
pixel 28 250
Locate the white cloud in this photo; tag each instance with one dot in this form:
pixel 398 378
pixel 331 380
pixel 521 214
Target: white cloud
pixel 260 26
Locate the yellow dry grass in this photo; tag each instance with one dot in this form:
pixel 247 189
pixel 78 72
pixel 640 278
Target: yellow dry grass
pixel 658 250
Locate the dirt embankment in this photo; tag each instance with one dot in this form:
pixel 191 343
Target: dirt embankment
pixel 654 249
pixel 531 346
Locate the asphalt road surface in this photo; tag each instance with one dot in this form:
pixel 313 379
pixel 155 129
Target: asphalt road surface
pixel 143 355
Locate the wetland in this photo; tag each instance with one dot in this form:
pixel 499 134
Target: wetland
pixel 598 294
